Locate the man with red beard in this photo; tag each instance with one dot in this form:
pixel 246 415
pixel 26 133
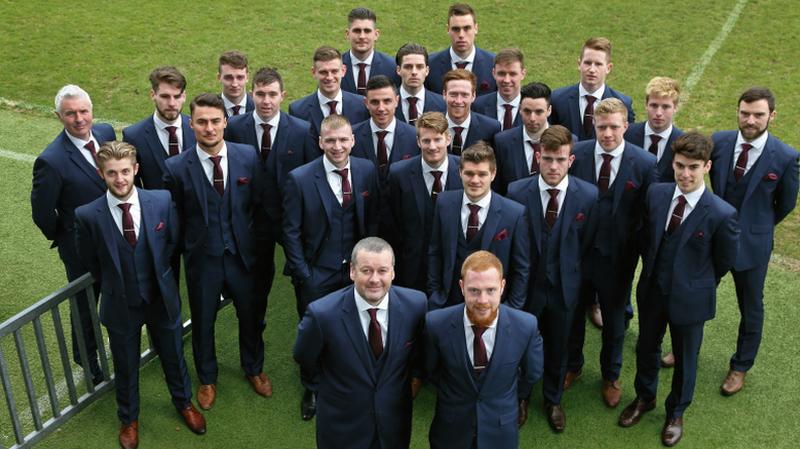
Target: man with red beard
pixel 484 358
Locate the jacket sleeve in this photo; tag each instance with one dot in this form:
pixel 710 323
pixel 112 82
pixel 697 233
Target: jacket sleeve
pixel 44 197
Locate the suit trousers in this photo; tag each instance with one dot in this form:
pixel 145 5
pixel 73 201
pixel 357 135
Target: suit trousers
pixel 750 296
pixel 126 351
pixel 555 321
pixel 74 270
pixel 264 275
pixel 206 281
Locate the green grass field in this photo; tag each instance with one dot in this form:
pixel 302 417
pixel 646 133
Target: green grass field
pixel 717 48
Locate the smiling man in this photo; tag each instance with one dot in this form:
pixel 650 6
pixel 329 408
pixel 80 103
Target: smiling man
pixel 363 61
pixel 232 75
pixel 466 127
pixel 508 72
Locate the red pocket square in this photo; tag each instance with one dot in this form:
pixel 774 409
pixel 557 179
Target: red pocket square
pixel 699 234
pixel 365 194
pixel 160 226
pixel 580 217
pixel 289 151
pixel 770 177
pixel 630 185
pixel 501 235
pixel 484 86
pixel 406 156
pixel 243 180
pixel 408 343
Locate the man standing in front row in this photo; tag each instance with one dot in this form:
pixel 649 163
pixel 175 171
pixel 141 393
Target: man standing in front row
pixel 692 239
pixel 483 358
pixel 126 239
pixel 757 174
pixel 216 189
pixel 363 340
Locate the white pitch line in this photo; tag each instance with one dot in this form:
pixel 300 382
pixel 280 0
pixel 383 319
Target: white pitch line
pixel 16 104
pixel 8 154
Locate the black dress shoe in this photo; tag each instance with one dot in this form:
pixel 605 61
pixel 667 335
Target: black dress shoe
pixel 308 406
pixel 555 417
pixel 672 431
pixel 634 412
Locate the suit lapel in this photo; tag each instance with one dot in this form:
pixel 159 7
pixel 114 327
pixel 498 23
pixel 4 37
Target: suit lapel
pixel 77 157
pixel 623 175
pixel 352 325
pixel 324 189
pixel 198 176
pixel 453 176
pixel 189 140
pixel 661 215
pixel 106 222
pixel 458 344
pixel 159 154
pixel 235 171
pixel 421 194
pixel 281 136
pixel 520 161
pixel 492 221
pixel 568 210
pixel 357 188
pixel 535 207
pixel 574 109
pixel 397 320
pixel 365 137
pixel 724 168
pixel 695 218
pixel 502 333
pixel 761 165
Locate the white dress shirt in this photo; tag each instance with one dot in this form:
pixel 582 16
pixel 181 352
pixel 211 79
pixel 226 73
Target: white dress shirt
pixel 454 58
pixel 388 139
pixel 428 177
pixel 84 152
pixel 354 65
pixel 501 110
pixel 527 146
pixel 323 103
pixel 163 134
pixel 465 124
pixel 116 212
pixel 488 337
pixel 335 180
pixel 598 160
pixel 582 93
pixel 545 195
pixel 229 105
pixel 691 202
pixel 662 144
pixel 382 315
pixel 274 122
pixel 754 153
pixel 208 165
pixel 404 94
pixel 482 213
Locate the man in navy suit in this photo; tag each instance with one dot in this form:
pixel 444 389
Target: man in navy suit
pixel 415 99
pixel 363 61
pixel 65 176
pixel 329 98
pixel 622 173
pixel 573 106
pixel 465 221
pixel 216 188
pixel 329 204
pixel 657 134
pixel 232 75
pixel 383 139
pixel 483 357
pixel 462 53
pixel 126 239
pixel 508 72
pixel 413 187
pixel 692 239
pixel 466 127
pixel 559 209
pixel 363 341
pixel 516 148
pixel 166 133
pixel 757 174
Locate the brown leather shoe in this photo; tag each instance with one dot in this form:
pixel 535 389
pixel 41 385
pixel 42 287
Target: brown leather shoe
pixel 596 316
pixel 206 395
pixel 668 360
pixel 555 417
pixel 571 377
pixel 261 384
pixel 734 382
pixel 672 431
pixel 634 412
pixel 194 419
pixel 612 392
pixel 129 435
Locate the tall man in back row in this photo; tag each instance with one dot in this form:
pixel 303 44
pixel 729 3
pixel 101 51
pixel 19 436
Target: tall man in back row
pixel 232 75
pixel 363 61
pixel 758 175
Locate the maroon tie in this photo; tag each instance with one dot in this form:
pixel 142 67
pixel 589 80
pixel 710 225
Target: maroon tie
pixel 462 64
pixel 362 78
pixel 741 163
pixel 236 109
pixel 383 152
pixel 455 147
pixel 552 208
pixel 473 225
pixel 677 215
pixel 219 178
pixel 347 192
pixel 332 106
pixel 653 149
pixel 375 340
pixel 174 149
pixel 412 110
pixel 128 230
pixel 266 142
pixel 508 121
pixel 90 146
pixel 436 189
pixel 480 359
pixel 588 116
pixel 537 148
pixel 605 173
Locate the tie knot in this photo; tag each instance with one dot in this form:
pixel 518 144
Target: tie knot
pixel 535 145
pixel 437 174
pixel 215 159
pixel 458 130
pixel 266 127
pixel 236 109
pixel 508 107
pixel 589 99
pixel 462 64
pixel 681 200
pixel 332 105
pixel 473 208
pixel 553 193
pixel 412 100
pixel 126 207
pixel 373 313
pixel 382 134
pixel 655 138
pixel 607 157
pixel 172 130
pixel 90 146
pixel 478 330
pixel 342 172
pixel 362 65
pixel 746 147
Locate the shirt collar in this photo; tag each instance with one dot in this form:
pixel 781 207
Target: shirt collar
pixel 562 186
pixel 113 201
pixel 161 124
pixel 274 121
pixel 390 127
pixel 649 131
pixel 329 167
pixel 464 124
pixel 514 101
pixel 598 150
pixel 229 103
pixel 455 58
pixel 80 143
pixel 757 144
pixel 405 94
pixel 205 156
pixel 468 323
pixel 598 94
pixel 527 137
pixel 367 61
pixel 362 305
pixel 442 168
pixel 692 197
pixel 324 100
pixel 483 202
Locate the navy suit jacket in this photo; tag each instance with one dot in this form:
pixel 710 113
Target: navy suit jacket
pixel 487 105
pixel 95 237
pixel 404 145
pixel 382 64
pixel 150 154
pixel 249 106
pixel 505 234
pixel 636 172
pixel 62 181
pixel 308 212
pixel 308 109
pixel 706 251
pixel 356 402
pixel 770 196
pixel 573 240
pixel 664 172
pixel 186 179
pixel 566 109
pixel 434 102
pixel 482 66
pixel 481 127
pixel 490 407
pixel 410 209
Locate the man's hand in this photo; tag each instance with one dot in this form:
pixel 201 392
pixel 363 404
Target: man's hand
pixel 416 385
pixel 523 412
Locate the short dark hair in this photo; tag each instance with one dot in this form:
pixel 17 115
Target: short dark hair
pixel 694 146
pixel 535 90
pixel 380 82
pixel 326 53
pixel 509 55
pixel 233 58
pixel 555 137
pixel 479 152
pixel 267 75
pixel 410 49
pixel 208 100
pixel 167 74
pixel 361 13
pixel 758 93
pixel 460 9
